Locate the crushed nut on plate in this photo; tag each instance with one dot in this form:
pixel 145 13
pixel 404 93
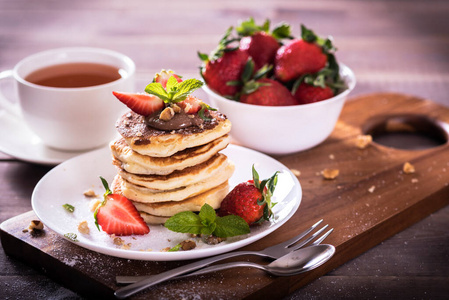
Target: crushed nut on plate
pixel 188 245
pixel 83 227
pixel 90 193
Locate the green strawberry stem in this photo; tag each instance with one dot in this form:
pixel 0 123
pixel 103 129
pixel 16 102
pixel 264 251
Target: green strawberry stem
pixel 105 199
pixel 266 187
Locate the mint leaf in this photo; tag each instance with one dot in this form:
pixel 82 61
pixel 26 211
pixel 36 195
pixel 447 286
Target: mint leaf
pixel 185 88
pixel 71 236
pixel 185 222
pixel 69 208
pixel 208 217
pixel 155 88
pixel 175 248
pixel 230 225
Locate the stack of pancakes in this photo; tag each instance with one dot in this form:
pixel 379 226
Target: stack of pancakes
pixel 167 172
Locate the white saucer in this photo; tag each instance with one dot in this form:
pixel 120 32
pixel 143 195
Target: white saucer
pixel 18 141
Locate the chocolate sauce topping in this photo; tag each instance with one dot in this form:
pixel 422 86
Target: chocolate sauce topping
pixel 179 120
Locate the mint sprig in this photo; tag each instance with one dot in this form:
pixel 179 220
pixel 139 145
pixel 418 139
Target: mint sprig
pixel 174 91
pixel 207 222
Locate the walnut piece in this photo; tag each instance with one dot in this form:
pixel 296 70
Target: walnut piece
pixel 408 168
pixel 83 227
pixel 176 108
pixel 90 193
pixel 330 173
pixel 118 241
pixel 167 114
pixel 212 240
pixel 188 245
pixel 363 141
pixel 36 225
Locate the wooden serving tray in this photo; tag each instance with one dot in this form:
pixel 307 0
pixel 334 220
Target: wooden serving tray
pixel 371 199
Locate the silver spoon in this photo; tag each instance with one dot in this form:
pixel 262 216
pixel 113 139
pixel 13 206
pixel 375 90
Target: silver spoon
pixel 293 263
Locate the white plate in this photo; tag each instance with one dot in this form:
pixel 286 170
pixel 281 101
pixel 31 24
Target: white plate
pixel 18 141
pixel 67 182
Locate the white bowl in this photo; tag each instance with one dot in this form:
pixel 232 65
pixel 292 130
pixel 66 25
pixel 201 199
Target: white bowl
pixel 283 129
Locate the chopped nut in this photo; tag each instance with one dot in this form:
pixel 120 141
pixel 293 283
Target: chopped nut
pixel 414 180
pixel 90 193
pixel 188 107
pixel 126 246
pixel 167 114
pixel 295 172
pixel 188 245
pixel 165 249
pixel 139 133
pixel 83 227
pixel 36 225
pixel 363 141
pixel 408 168
pixel 117 241
pixel 176 108
pixel 212 240
pixel 371 189
pixel 330 173
pixel 331 156
pixel 93 204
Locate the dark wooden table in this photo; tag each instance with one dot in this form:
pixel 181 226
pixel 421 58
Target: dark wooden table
pixel 397 46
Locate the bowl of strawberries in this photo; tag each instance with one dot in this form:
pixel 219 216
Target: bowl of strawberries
pixel 282 94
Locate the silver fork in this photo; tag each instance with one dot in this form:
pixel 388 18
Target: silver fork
pixel 273 252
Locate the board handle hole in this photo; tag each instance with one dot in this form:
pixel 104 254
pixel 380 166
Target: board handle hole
pixel 407 131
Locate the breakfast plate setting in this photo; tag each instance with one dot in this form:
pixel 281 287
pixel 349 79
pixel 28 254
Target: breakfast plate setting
pixel 66 183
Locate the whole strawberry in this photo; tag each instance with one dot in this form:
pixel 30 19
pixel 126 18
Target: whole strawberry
pixel 267 92
pixel 307 93
pixel 301 56
pixel 260 43
pixel 250 200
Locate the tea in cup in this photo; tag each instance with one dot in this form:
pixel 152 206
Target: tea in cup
pixel 65 95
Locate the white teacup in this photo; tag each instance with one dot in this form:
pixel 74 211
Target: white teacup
pixel 70 118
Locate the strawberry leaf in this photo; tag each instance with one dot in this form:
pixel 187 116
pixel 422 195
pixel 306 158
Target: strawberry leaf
pixel 255 177
pixel 282 31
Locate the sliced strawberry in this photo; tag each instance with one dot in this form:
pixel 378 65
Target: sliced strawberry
pixel 143 104
pixel 191 104
pixel 163 77
pixel 120 217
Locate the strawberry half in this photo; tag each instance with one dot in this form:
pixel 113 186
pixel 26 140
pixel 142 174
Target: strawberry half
pixel 191 105
pixel 163 77
pixel 117 215
pixel 142 104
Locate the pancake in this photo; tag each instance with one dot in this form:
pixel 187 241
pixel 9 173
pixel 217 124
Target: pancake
pixel 158 143
pixel 177 179
pixel 213 197
pixel 145 195
pixel 133 162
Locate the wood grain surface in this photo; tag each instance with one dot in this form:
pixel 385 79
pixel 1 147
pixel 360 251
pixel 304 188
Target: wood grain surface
pixel 395 46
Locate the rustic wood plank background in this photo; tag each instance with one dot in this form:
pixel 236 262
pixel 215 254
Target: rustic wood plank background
pixel 397 46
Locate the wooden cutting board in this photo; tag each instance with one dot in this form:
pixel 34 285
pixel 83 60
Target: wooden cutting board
pixel 371 199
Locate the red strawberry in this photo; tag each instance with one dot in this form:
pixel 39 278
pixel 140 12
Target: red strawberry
pixel 307 93
pixel 163 77
pixel 190 105
pixel 269 93
pixel 143 104
pixel 250 201
pixel 227 68
pixel 298 58
pixel 117 215
pixel 261 46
